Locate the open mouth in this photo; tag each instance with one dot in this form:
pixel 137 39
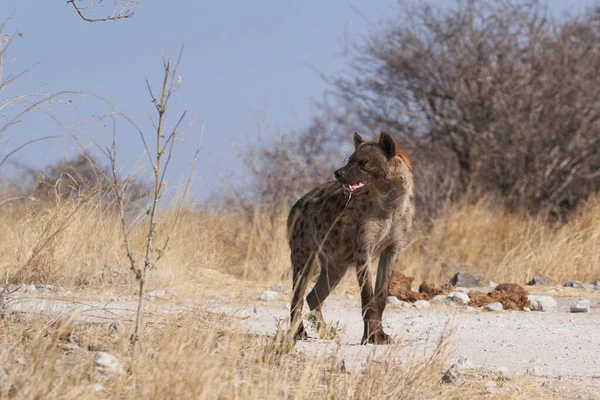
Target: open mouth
pixel 354 187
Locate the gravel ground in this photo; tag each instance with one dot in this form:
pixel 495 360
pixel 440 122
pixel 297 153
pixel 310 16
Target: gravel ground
pixel 557 345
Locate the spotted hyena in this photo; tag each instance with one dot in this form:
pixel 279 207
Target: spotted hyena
pixel 365 213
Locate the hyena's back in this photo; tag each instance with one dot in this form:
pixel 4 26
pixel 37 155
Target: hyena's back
pixel 319 223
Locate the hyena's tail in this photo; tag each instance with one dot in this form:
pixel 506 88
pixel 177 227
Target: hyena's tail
pixel 302 269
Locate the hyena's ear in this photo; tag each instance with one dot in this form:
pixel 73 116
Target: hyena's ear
pixel 387 144
pixel 358 140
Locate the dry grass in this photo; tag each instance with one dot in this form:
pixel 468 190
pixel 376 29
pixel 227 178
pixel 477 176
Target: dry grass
pixel 71 245
pixel 195 357
pixel 202 356
pixel 507 247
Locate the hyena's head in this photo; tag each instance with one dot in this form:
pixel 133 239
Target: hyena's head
pixel 374 164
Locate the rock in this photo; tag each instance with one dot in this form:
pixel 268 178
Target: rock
pixel 393 300
pixel 107 366
pixel 157 293
pixel 422 304
pixel 449 303
pixel 116 329
pixel 439 298
pixel 28 289
pixel 98 387
pixel 538 280
pixel 459 298
pixel 268 295
pixel 464 279
pixel 589 287
pixel 573 284
pixel 581 306
pixel 542 303
pixel 492 284
pixel 47 288
pixel 526 309
pixel 596 283
pixel 493 307
pixel 405 304
pixel 453 375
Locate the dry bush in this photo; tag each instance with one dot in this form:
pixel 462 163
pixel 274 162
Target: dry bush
pixel 505 247
pixel 491 98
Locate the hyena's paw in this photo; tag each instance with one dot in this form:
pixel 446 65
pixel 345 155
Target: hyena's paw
pixel 377 337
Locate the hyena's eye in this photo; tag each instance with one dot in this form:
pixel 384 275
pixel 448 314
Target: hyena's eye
pixel 362 163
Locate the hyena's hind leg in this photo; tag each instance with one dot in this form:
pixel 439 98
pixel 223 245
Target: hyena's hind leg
pixel 302 268
pixel 329 277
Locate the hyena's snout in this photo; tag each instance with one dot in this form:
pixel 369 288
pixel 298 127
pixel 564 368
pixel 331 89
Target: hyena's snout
pixel 350 181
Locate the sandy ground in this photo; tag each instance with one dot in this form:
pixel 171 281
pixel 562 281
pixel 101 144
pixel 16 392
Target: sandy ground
pixel 557 346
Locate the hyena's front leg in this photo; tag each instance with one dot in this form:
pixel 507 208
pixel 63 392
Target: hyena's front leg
pixel 385 269
pixel 373 330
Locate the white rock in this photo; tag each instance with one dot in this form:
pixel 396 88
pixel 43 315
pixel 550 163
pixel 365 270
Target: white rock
pixel 542 303
pixel 459 298
pixel 393 300
pixel 405 304
pixel 581 306
pixel 268 295
pixel 438 299
pixel 422 304
pixel 98 387
pixel 526 309
pixel 453 375
pixel 29 288
pixel 497 306
pixel 157 293
pixel 493 284
pixel 107 366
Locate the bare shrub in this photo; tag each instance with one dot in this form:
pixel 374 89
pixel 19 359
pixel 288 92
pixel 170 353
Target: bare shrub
pixel 490 97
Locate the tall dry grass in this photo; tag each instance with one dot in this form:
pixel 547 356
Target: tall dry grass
pixel 194 357
pixel 71 244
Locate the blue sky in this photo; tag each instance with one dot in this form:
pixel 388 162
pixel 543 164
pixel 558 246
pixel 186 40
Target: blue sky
pixel 243 62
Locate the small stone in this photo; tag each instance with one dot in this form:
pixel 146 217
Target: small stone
pixel 489 384
pixel 98 387
pixel 573 284
pixel 526 309
pixel 28 289
pixel 542 303
pixel 589 287
pixel 459 298
pixel 116 329
pixel 453 375
pixel 581 306
pixel 464 279
pixel 493 284
pixel 422 304
pixel 107 366
pixel 538 280
pixel 405 304
pixel 596 283
pixel 268 295
pixel 157 293
pixel 449 303
pixel 439 298
pixel 497 306
pixel 393 300
pixel 46 288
